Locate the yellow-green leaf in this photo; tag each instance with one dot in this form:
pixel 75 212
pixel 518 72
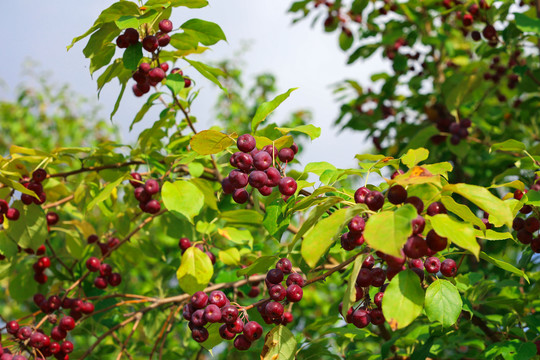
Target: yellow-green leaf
pixel 209 142
pixel 195 270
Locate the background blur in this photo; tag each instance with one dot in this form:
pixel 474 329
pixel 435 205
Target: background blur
pixel 261 38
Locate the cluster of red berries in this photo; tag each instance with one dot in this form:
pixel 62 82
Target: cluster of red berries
pixel 260 169
pixel 216 308
pixel 10 213
pixel 104 247
pixel 146 75
pixel 106 276
pixel 418 250
pixel 38 339
pixel 447 123
pixel 144 192
pixel 184 244
pixel 499 71
pixel 527 227
pixel 273 311
pixel 42 264
pixel 34 184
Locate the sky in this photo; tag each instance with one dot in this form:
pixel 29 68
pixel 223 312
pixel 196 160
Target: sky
pixel 298 55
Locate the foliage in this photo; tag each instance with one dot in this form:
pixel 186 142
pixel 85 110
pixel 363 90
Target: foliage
pixel 436 261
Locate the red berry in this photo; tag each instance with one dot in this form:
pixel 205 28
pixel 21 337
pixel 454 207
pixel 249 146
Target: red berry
pixel 67 323
pixel 93 264
pixel 165 25
pixel 449 268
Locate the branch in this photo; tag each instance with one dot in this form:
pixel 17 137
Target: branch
pixel 95 168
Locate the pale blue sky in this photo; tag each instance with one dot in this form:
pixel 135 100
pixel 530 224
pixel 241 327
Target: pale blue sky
pixel 297 54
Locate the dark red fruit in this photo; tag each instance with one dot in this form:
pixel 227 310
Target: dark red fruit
pixel 165 25
pixel 131 35
pixel 277 292
pixel 236 327
pixel 217 298
pixel 92 239
pixel 93 264
pixel 39 175
pixel 253 330
pixel 100 282
pixel 294 293
pixel 436 208
pixel 67 323
pixel 364 278
pixel 242 343
pixel 225 333
pixel 212 313
pixel 377 317
pixel 258 179
pixel 295 278
pixel 52 218
pixel 357 224
pixel 284 265
pixel 150 43
pixel 524 236
pixel 449 268
pixel 246 143
pixel 378 277
pixel 229 314
pixel 361 318
pixel 58 334
pixel 274 310
pixel 13 214
pixel 115 279
pixel 240 196
pixel 416 202
pixel 275 276
pixel 199 334
pixel 360 195
pixel 287 186
pixel 396 194
pixel 418 225
pixel 377 299
pixel 435 242
pixel 199 300
pixel 374 200
pixel 532 224
pixel 369 261
pixel 415 247
pixel 286 155
pixel 432 265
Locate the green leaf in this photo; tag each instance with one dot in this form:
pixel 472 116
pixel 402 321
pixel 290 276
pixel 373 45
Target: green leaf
pixel 22 286
pixel 345 41
pixel 184 41
pixel 276 220
pixel 321 237
pixel 349 297
pixel 103 58
pixel 132 55
pixel 209 142
pixel 318 168
pixel 125 22
pixel 397 228
pixel 192 4
pixel 16 185
pixel 533 198
pixel 208 72
pixel 516 349
pixel 499 213
pixel 462 211
pixel 209 196
pixel 175 83
pixel 508 145
pixel 527 24
pixel 492 235
pixel 267 107
pixel 246 217
pixel 208 33
pixel 106 33
pixel 183 197
pixel 118 100
pixel 443 302
pixel 144 109
pixel 106 191
pixel 8 247
pixel 414 156
pixel 195 270
pixel 504 265
pixel 460 233
pixel 279 344
pixel 230 256
pixel 112 71
pixel 421 137
pixel 403 299
pixel 237 236
pixel 30 231
pixel 261 265
pixel 310 130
